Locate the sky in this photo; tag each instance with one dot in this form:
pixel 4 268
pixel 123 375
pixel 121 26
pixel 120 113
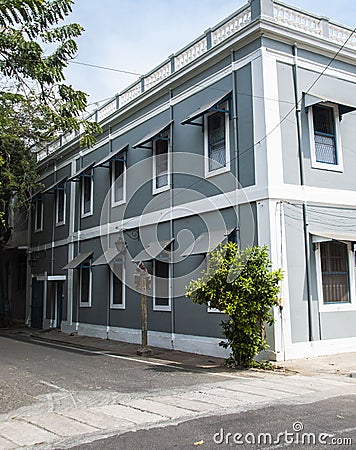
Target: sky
pixel 137 35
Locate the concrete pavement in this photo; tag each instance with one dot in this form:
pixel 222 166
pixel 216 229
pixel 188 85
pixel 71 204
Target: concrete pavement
pixel 65 418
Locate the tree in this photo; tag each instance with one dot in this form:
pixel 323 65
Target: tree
pixel 241 284
pixel 35 103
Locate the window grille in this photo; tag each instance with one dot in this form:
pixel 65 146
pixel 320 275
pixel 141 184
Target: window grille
pixel 324 135
pixel 161 163
pixel 216 141
pixel 119 167
pixel 335 275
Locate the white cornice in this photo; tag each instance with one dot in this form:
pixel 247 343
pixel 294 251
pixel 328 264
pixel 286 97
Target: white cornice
pixel 287 192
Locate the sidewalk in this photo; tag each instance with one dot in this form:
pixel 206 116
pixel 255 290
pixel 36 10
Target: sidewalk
pixel 64 417
pixel 332 365
pixel 174 357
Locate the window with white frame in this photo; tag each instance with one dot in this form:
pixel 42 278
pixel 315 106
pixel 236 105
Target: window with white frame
pixel 118 174
pixel 38 214
pixel 117 286
pixel 85 283
pixel 335 272
pixel 216 141
pixel 87 194
pixel 161 286
pixel 60 196
pixel 161 164
pixel 325 139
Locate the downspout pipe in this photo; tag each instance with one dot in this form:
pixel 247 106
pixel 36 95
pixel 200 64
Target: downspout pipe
pixel 79 226
pixel 304 206
pixel 54 212
pixel 236 145
pixel 171 223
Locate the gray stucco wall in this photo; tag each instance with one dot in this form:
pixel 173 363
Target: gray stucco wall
pixel 327 87
pixel 246 160
pixel 326 325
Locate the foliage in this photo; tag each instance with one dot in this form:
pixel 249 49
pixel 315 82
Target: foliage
pixel 241 284
pixel 35 103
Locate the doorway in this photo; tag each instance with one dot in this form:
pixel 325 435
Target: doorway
pixel 37 303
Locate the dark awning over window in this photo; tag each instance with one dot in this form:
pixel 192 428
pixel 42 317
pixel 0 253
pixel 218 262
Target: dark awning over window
pixel 206 108
pixel 77 261
pixel 311 99
pixel 54 186
pixel 152 136
pixel 36 195
pixel 152 250
pixel 207 242
pixel 107 257
pixel 110 156
pixel 81 172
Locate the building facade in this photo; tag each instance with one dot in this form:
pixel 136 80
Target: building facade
pixel 245 134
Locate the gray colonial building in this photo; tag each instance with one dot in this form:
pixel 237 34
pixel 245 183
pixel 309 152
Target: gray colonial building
pixel 248 134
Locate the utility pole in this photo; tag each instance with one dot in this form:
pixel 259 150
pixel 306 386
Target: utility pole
pixel 143 282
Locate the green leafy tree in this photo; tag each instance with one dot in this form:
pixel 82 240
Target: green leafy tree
pixel 241 284
pixel 35 103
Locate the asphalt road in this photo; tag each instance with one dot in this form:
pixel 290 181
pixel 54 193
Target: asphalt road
pixel 326 424
pixel 53 395
pixel 29 368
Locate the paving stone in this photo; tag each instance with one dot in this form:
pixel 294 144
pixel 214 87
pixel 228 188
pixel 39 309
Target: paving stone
pixel 258 393
pixel 242 395
pixel 280 385
pixel 130 414
pixel 169 411
pixel 208 397
pixel 23 433
pixel 6 445
pixel 193 405
pixel 63 426
pixel 97 419
pixel 292 387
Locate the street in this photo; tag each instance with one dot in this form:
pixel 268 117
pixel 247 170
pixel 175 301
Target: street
pixel 54 395
pixel 264 428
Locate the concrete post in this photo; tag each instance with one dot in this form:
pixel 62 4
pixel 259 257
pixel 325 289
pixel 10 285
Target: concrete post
pixel 261 9
pixel 142 280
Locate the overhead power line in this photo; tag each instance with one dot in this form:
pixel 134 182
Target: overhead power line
pixel 105 68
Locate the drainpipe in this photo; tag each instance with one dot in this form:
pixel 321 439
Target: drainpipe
pixel 304 206
pixel 108 217
pixel 52 307
pixel 53 225
pixel 29 277
pixel 79 199
pixel 236 144
pixel 171 224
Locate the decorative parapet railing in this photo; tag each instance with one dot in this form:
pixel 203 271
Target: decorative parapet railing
pixel 297 20
pixel 191 53
pixel 68 137
pixel 287 16
pixel 130 94
pixel 157 76
pixel 106 110
pixel 231 27
pixel 340 35
pixel 314 25
pixel 54 145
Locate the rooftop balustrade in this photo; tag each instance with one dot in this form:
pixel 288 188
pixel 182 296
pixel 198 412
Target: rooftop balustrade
pixel 287 16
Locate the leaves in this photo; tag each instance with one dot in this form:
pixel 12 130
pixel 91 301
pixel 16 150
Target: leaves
pixel 35 103
pixel 241 284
